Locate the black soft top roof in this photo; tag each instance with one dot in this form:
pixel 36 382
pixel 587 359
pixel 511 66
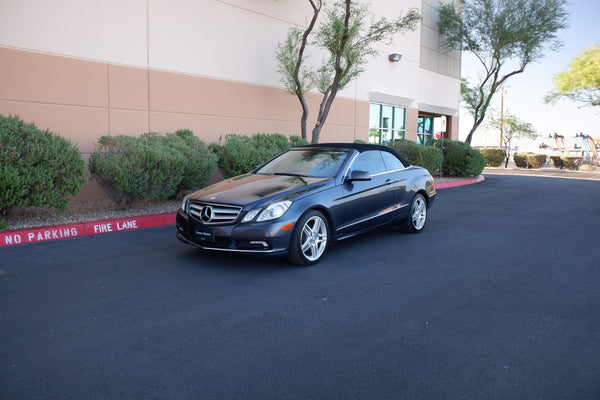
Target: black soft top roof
pixel 360 147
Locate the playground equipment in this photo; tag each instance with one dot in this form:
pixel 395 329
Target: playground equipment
pixel 561 143
pixel 589 146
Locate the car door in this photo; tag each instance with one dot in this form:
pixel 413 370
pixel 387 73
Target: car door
pixel 396 171
pixel 367 203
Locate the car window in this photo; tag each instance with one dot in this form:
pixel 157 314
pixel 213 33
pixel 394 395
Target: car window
pixel 392 163
pixel 370 161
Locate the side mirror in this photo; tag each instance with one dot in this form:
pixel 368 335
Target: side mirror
pixel 359 175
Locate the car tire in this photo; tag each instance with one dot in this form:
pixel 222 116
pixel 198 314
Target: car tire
pixel 417 215
pixel 310 239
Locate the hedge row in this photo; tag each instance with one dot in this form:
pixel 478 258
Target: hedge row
pixel 495 157
pixel 532 160
pixel 160 167
pixel 240 154
pixel 39 168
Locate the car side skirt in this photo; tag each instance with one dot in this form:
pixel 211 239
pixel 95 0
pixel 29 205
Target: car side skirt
pixel 398 207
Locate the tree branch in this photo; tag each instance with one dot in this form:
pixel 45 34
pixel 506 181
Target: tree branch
pixel 299 89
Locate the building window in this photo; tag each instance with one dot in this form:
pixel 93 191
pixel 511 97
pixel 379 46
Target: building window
pixel 386 123
pixel 434 57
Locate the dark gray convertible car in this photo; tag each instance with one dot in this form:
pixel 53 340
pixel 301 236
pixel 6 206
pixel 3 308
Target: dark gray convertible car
pixel 306 198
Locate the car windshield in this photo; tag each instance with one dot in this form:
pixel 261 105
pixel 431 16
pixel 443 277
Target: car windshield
pixel 318 163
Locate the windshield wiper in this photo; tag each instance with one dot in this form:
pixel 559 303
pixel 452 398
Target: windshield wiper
pixel 287 174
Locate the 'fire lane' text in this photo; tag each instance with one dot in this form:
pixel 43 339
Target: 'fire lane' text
pixel 115 226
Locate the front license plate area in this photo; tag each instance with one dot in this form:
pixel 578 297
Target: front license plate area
pixel 204 234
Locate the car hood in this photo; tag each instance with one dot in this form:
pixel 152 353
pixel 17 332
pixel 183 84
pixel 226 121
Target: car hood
pixel 250 188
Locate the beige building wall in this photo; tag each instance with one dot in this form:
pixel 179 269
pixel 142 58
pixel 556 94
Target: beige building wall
pixel 90 68
pixel 83 100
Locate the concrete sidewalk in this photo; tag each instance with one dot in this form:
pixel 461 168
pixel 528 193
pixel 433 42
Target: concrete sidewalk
pixel 546 171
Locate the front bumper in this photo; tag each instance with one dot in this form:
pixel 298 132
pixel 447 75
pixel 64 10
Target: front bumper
pixel 264 238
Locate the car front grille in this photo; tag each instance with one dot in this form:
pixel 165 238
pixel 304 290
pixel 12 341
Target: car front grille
pixel 209 214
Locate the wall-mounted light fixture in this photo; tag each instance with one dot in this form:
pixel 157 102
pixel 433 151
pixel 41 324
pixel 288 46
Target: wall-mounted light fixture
pixel 395 57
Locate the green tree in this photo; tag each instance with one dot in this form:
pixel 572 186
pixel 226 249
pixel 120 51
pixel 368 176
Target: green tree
pixel 504 36
pixel 348 39
pixel 512 128
pixel 581 80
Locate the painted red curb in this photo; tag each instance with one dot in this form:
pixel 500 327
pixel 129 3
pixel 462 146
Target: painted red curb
pixel 66 231
pixel 445 185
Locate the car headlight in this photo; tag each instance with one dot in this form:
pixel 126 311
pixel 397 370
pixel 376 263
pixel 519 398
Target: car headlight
pixel 184 203
pixel 251 214
pixel 273 211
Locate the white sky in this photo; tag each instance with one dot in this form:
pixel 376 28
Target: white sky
pixel 524 94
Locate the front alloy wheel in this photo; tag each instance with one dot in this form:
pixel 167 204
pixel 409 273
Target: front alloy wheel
pixel 310 239
pixel 417 215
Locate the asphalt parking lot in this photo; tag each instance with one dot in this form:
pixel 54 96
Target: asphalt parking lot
pixel 498 298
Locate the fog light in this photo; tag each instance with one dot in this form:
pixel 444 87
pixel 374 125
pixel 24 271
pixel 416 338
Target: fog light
pixel 260 243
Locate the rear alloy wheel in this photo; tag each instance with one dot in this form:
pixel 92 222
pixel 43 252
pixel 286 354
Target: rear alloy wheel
pixel 417 215
pixel 310 239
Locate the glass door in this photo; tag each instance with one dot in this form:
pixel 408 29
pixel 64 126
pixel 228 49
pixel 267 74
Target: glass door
pixel 425 129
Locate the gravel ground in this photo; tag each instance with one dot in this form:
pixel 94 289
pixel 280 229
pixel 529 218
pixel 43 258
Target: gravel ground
pixel 88 210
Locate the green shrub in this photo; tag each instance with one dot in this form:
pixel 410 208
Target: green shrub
pixel 130 168
pixel 411 151
pixel 14 191
pixel 240 153
pixel 151 166
pixel 214 148
pixel 493 157
pixel 537 160
pixel 432 159
pixel 296 141
pixel 199 161
pixel 460 159
pixel 530 160
pixel 428 157
pixel 571 162
pixel 521 160
pixel 558 162
pixel 37 168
